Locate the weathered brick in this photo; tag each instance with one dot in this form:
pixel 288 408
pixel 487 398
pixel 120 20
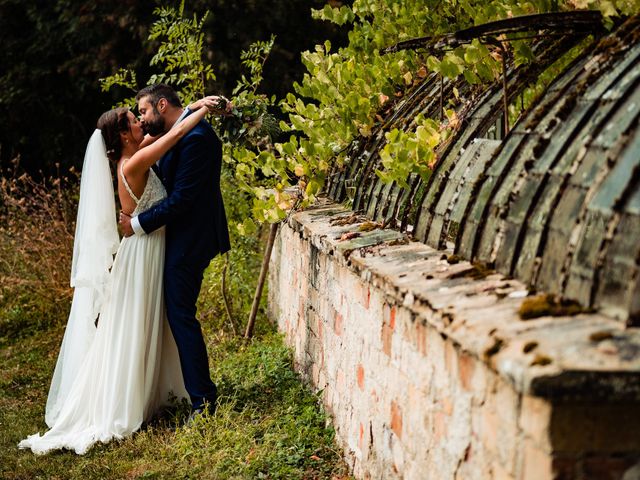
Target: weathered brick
pixel 466 367
pixel 360 376
pixel 386 335
pixel 396 419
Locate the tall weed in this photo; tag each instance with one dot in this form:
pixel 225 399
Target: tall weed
pixel 37 224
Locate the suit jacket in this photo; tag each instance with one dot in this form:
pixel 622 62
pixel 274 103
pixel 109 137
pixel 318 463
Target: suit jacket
pixel 193 210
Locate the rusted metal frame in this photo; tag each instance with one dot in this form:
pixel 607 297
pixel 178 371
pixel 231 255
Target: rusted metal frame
pixel 336 188
pixel 543 182
pixel 383 200
pixel 441 97
pixel 410 102
pixel 562 21
pixel 369 177
pixel 392 200
pixel 575 134
pixel 613 224
pixel 505 94
pixel 408 206
pixel 335 184
pixel 356 169
pixel 371 161
pixel 364 180
pixel 395 201
pixel 398 204
pixel 625 144
pixel 362 169
pixel 584 22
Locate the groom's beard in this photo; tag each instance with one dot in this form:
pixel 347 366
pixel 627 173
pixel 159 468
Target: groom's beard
pixel 155 127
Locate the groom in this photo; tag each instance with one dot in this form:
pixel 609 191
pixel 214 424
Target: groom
pixel 196 231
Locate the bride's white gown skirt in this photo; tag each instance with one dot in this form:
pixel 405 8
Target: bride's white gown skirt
pixel 131 368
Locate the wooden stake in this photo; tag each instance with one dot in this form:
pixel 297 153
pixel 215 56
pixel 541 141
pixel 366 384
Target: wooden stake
pixel 263 275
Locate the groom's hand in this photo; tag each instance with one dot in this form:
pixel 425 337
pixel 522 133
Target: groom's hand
pixel 125 224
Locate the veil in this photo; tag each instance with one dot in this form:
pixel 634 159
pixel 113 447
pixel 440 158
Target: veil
pixel 96 241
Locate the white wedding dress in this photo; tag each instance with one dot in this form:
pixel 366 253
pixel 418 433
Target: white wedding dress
pixel 131 367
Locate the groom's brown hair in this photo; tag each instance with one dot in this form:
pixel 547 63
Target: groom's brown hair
pixel 158 91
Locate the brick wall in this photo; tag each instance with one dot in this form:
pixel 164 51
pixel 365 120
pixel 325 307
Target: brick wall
pixel 428 373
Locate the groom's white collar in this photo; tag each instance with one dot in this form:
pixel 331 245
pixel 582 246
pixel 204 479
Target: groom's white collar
pixel 185 112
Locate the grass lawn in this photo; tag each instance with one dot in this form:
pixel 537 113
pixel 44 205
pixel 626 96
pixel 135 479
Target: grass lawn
pixel 267 426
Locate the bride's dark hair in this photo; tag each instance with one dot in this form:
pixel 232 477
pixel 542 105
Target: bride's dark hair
pixel 111 123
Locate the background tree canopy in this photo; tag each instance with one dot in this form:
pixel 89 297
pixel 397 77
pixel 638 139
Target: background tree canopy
pixel 54 52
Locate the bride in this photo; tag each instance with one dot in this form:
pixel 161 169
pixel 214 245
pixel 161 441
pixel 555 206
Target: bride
pixel 109 379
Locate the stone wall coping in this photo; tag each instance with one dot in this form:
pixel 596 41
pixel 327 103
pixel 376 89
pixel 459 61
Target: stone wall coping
pixel 584 357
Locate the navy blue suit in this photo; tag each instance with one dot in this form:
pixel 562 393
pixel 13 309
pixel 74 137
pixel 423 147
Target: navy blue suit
pixel 196 231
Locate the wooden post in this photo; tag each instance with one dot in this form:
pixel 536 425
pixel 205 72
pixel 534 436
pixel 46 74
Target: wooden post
pixel 263 275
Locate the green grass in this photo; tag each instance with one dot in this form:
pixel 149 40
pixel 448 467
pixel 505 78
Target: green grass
pixel 268 424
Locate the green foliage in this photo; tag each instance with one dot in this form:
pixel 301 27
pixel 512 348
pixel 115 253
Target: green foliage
pixel 238 268
pixel 251 124
pixel 254 59
pixel 180 52
pixel 407 152
pixel 179 56
pixel 122 78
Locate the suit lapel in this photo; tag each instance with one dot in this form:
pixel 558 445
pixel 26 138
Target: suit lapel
pixel 166 168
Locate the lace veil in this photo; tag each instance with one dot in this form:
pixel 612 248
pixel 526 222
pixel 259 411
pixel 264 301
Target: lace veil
pixel 96 241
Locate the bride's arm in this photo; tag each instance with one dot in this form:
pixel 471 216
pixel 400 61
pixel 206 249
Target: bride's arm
pixel 144 158
pixel 148 140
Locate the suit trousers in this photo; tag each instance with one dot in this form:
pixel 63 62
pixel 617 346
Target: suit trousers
pixel 182 283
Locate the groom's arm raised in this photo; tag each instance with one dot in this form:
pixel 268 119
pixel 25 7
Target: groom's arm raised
pixel 192 172
pixel 145 157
